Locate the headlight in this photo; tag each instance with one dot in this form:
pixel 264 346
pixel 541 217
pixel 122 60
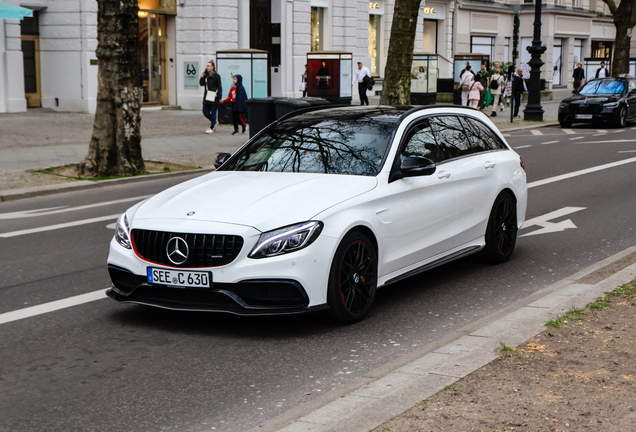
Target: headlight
pixel 563 105
pixel 610 105
pixel 122 232
pixel 287 239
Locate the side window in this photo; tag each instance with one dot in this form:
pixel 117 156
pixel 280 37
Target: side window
pixel 450 133
pixel 421 143
pixel 477 142
pixel 487 135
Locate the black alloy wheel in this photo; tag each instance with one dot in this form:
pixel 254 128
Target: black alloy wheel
pixel 622 119
pixel 501 233
pixel 353 279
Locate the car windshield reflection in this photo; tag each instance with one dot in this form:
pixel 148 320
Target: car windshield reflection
pixel 354 146
pixel 603 87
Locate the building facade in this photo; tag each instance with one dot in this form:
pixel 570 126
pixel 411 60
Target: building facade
pixel 49 60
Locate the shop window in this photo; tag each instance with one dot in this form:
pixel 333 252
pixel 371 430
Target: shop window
pixel 317 28
pixel 601 49
pixel 483 45
pixel 374 43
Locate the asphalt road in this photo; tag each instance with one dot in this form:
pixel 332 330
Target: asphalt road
pixel 105 366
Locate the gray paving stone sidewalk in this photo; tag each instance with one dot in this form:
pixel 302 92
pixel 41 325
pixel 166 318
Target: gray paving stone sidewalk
pixel 42 138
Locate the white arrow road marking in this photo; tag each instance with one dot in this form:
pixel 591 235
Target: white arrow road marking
pixel 578 173
pixel 58 226
pixel 550 227
pixel 52 306
pixel 55 210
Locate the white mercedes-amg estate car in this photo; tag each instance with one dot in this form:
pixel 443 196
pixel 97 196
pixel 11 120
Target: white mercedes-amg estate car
pixel 322 208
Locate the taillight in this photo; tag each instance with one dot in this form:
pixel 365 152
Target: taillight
pixel 521 163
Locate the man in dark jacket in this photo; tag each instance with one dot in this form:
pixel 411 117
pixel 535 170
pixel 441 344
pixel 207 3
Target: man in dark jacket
pixel 212 82
pixel 602 72
pixel 577 77
pixel 518 88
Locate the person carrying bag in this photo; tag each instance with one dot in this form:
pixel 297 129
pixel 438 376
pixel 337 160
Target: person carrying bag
pixel 211 81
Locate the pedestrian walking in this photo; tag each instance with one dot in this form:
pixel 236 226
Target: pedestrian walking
pixel 601 72
pixel 212 84
pixel 475 92
pixel 518 88
pixel 238 97
pixel 496 86
pixel 508 90
pixel 464 84
pixel 483 76
pixel 578 77
pixel 303 83
pixel 362 72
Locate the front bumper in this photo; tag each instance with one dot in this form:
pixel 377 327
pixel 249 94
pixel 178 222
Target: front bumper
pixel 607 115
pixel 290 283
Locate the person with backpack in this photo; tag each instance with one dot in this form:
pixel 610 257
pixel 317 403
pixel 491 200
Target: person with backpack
pixel 238 98
pixel 496 87
pixel 464 84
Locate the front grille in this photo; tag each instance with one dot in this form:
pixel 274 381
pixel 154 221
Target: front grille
pixel 586 109
pixel 205 250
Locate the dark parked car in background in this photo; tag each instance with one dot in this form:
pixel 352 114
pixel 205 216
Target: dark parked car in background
pixel 606 100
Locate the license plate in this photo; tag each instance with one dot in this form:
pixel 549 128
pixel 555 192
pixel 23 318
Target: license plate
pixel 583 116
pixel 179 278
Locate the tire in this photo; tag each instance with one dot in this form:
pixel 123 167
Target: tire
pixel 501 232
pixel 565 124
pixel 622 119
pixel 353 279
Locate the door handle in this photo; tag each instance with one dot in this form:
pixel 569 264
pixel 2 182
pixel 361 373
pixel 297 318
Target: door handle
pixel 489 165
pixel 443 174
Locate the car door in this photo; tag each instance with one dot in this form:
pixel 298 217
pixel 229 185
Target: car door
pixel 417 214
pixel 478 178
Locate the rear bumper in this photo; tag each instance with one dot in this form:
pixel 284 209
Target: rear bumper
pixel 249 297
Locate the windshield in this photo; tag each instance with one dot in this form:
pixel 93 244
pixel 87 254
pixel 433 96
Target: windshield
pixel 354 145
pixel 603 87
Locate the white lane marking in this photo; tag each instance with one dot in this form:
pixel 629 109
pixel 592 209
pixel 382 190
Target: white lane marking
pixel 520 147
pixel 58 226
pixel 580 172
pixel 536 132
pixel 601 134
pixel 601 131
pixel 111 226
pixel 550 227
pixel 549 142
pixel 575 138
pixel 627 151
pixel 52 306
pixel 619 130
pixel 55 210
pixel 609 141
pixel 568 131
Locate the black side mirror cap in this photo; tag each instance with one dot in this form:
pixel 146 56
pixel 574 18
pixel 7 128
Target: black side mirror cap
pixel 220 159
pixel 414 167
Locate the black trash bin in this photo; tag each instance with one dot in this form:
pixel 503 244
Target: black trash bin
pixel 287 105
pixel 262 112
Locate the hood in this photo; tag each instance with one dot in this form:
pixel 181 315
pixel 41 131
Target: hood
pixel 263 200
pixel 592 99
pixel 239 80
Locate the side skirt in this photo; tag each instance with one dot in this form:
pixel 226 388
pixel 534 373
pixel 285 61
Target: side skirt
pixel 441 261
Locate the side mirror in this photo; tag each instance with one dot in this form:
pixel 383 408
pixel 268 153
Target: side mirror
pixel 417 166
pixel 220 159
pixel 414 167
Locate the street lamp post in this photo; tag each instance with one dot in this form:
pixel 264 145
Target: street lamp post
pixel 534 110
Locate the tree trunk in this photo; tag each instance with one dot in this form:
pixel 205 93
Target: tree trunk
pixel 115 147
pixel 624 20
pixel 396 88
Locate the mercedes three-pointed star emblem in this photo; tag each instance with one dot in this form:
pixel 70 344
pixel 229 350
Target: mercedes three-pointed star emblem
pixel 177 250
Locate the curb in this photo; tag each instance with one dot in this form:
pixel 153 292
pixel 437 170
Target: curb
pixel 388 391
pixel 16 194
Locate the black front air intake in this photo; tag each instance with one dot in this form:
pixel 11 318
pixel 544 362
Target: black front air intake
pixel 204 250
